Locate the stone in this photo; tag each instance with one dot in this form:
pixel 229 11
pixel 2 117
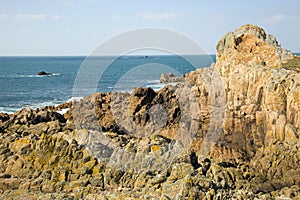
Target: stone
pixel 97 182
pixel 179 171
pixel 170 78
pixel 5 176
pixel 9 184
pixel 43 73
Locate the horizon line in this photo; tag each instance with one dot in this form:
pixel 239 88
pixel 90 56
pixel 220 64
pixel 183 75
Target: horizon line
pixel 125 55
pixel 143 55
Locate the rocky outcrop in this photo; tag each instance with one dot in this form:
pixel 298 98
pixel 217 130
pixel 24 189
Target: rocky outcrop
pixel 230 131
pixel 250 45
pixel 170 78
pixel 261 121
pixel 260 96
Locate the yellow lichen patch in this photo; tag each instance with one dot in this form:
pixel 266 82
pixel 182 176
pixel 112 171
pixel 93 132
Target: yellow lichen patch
pixel 296 96
pixel 155 148
pixel 96 170
pixel 19 144
pixel 62 177
pixel 86 153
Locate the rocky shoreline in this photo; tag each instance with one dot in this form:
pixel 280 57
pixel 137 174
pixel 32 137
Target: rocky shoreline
pixel 230 131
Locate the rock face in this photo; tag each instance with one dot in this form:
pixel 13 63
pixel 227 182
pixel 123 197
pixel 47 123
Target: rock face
pixel 230 131
pixel 250 45
pixel 261 121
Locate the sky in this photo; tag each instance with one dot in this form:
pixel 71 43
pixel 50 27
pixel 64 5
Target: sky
pixel 77 27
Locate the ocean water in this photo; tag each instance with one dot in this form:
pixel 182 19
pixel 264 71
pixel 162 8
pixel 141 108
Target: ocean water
pixel 22 87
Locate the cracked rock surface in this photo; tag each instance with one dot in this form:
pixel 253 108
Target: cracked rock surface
pixel 230 131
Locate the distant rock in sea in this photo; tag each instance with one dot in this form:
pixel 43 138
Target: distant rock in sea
pixel 43 73
pixel 170 78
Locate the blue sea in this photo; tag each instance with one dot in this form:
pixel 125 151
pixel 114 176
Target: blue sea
pixel 22 87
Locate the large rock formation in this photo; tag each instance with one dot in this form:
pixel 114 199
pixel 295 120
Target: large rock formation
pixel 230 131
pixel 262 116
pixel 250 45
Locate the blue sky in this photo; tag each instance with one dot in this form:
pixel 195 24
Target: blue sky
pixel 76 27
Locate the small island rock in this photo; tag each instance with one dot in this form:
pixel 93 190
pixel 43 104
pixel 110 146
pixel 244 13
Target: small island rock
pixel 43 73
pixel 169 78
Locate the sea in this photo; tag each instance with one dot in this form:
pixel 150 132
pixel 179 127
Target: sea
pixel 21 87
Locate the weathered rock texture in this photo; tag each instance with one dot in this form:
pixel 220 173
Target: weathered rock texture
pixel 230 131
pixel 169 78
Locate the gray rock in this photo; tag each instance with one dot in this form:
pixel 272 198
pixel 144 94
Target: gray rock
pixel 170 78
